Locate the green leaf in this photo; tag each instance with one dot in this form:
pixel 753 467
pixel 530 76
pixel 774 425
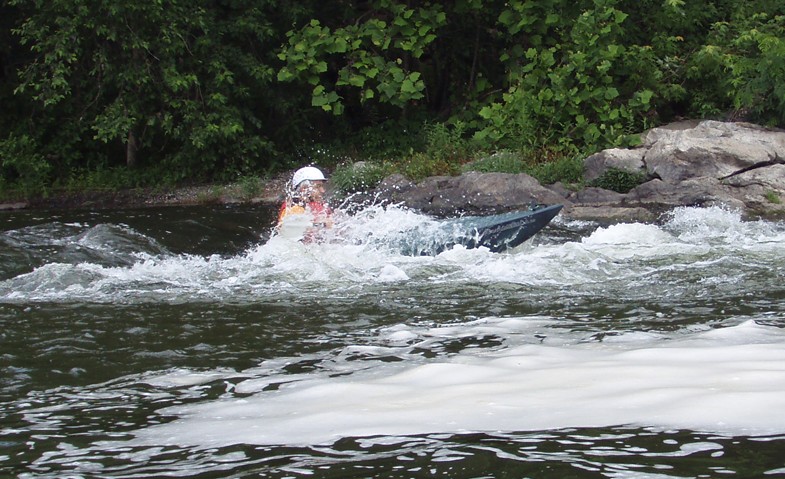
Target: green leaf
pixel 645 96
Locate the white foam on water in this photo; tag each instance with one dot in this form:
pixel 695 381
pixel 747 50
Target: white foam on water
pixel 182 377
pixel 725 381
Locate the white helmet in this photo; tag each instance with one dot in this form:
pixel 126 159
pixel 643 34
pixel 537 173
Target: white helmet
pixel 308 173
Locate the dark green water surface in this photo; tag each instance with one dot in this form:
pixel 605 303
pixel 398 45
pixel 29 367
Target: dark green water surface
pixel 178 342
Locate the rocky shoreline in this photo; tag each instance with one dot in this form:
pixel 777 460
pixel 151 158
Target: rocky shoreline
pixel 740 166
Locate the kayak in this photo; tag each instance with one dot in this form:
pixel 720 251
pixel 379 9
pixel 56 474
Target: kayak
pixel 496 232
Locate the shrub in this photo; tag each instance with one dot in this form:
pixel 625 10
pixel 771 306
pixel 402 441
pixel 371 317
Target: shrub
pixel 618 180
pixel 23 166
pixel 567 169
pixel 504 161
pixel 250 186
pixel 358 176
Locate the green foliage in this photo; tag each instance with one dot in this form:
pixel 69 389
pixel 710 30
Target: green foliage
pixel 209 196
pixel 547 166
pixel 390 139
pixel 155 82
pixel 445 149
pixel 569 91
pixel 505 161
pixel 22 163
pixel 250 186
pixel 566 169
pixel 433 149
pixel 361 176
pixel 773 198
pixel 168 92
pixel 618 180
pixel 447 142
pixel 370 59
pixel 419 165
pixel 377 143
pixel 745 62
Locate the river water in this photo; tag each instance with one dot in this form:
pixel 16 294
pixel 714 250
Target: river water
pixel 180 342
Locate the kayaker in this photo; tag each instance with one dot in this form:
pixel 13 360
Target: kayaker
pixel 305 198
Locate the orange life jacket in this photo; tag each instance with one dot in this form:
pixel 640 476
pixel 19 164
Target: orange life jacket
pixel 322 214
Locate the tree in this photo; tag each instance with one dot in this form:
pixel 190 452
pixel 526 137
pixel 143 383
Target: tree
pixel 174 84
pixel 743 63
pixel 374 57
pixel 210 89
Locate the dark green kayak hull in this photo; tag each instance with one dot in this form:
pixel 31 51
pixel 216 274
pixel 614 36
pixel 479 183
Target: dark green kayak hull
pixel 496 232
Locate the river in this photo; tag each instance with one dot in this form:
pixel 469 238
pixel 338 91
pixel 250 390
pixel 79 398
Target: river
pixel 184 342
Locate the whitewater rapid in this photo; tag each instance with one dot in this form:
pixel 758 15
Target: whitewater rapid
pixel 110 263
pixel 688 352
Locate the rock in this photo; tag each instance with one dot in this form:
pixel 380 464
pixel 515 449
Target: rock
pixel 395 185
pixel 470 193
pixel 704 163
pixel 660 195
pixel 713 149
pixel 738 165
pixel 761 189
pixel 591 196
pixel 13 206
pixel 626 160
pixel 610 214
pixel 770 177
pixel 560 189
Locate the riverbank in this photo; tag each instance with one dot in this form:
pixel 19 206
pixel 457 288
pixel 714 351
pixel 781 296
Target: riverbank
pixel 704 163
pixel 267 191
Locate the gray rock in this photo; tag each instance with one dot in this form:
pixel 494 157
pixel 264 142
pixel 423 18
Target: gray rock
pixel 712 149
pixel 660 195
pixel 761 189
pixel 622 159
pixel 470 193
pixel 20 205
pixel 610 214
pixel 597 197
pixel 704 163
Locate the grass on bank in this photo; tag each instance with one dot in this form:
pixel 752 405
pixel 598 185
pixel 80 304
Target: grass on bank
pixel 446 151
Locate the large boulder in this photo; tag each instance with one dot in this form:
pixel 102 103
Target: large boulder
pixel 710 149
pixel 470 193
pixel 629 160
pixel 658 195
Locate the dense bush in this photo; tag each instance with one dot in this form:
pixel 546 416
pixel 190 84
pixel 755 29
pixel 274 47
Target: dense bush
pixel 618 180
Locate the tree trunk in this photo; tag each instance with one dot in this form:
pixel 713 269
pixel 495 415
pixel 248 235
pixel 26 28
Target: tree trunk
pixel 131 147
